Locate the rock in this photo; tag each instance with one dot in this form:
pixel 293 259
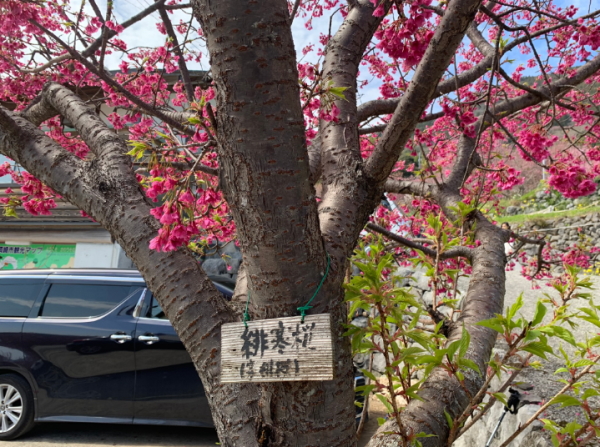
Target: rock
pixel 428 297
pixel 423 282
pixel 404 276
pixel 214 266
pixel 512 210
pixel 534 439
pixel 360 321
pixel 379 363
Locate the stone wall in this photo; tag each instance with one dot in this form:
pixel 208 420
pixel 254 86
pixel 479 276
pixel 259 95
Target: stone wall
pixel 564 233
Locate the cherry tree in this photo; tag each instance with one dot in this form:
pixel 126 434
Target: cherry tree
pixel 241 154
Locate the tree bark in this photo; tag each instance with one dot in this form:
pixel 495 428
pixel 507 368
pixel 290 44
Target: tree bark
pixel 264 169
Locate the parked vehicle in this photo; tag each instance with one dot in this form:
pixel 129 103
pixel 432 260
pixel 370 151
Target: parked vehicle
pixel 93 346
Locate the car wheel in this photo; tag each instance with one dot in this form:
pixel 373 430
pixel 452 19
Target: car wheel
pixel 16 407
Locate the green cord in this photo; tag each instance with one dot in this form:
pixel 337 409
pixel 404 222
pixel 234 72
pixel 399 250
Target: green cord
pixel 301 309
pixel 307 306
pixel 246 314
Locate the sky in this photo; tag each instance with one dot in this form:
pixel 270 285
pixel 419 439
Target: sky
pixel 145 33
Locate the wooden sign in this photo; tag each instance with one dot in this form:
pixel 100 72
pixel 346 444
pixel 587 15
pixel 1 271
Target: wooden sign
pixel 277 350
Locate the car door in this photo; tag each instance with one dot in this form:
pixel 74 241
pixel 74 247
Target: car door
pixel 80 346
pixel 17 297
pixel 168 389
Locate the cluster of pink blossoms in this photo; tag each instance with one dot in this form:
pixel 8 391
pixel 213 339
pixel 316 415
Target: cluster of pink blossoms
pixel 506 179
pixel 537 145
pixel 576 257
pixel 589 35
pixel 174 232
pixel 405 38
pixel 38 198
pixel 571 181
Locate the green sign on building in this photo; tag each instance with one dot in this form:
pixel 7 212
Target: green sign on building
pixel 37 256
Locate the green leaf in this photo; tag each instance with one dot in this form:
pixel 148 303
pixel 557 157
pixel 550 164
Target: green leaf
pixel 559 332
pixel 583 362
pixel 570 428
pixel 565 401
pixel 500 396
pixel 465 340
pixel 537 348
pixel 540 312
pixel 420 337
pixel 467 363
pixel 408 352
pixel 10 211
pixel 369 374
pixel 381 421
pixel 194 120
pixel 412 392
pixel 589 393
pixel 338 91
pixel 448 419
pixel 512 310
pixel 366 389
pixel 452 348
pixel 493 323
pixel 385 402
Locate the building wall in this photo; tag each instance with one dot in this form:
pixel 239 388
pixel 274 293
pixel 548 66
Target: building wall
pixel 23 255
pixel 101 256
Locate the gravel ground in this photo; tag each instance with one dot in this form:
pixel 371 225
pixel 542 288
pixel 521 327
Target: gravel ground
pixel 101 435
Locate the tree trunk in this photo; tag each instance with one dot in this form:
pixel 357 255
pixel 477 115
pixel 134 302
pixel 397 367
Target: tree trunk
pixel 265 177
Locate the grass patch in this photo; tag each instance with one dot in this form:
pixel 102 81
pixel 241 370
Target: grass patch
pixel 519 200
pixel 519 218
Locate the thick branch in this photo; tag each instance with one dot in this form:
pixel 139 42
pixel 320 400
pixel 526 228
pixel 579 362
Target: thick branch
pixel 412 187
pixel 387 106
pixel 466 161
pixel 454 252
pixel 441 49
pixel 113 197
pixel 468 158
pixel 346 196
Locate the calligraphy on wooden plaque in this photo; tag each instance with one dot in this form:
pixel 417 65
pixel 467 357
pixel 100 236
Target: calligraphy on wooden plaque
pixel 277 350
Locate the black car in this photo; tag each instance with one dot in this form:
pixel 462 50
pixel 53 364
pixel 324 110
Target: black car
pixel 91 346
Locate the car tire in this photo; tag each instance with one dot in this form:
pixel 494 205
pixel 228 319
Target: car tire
pixel 16 407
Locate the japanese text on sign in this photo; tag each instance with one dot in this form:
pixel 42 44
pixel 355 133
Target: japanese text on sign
pixel 277 350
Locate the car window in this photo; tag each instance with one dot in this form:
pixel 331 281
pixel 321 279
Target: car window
pixel 155 311
pixel 82 300
pixel 16 300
